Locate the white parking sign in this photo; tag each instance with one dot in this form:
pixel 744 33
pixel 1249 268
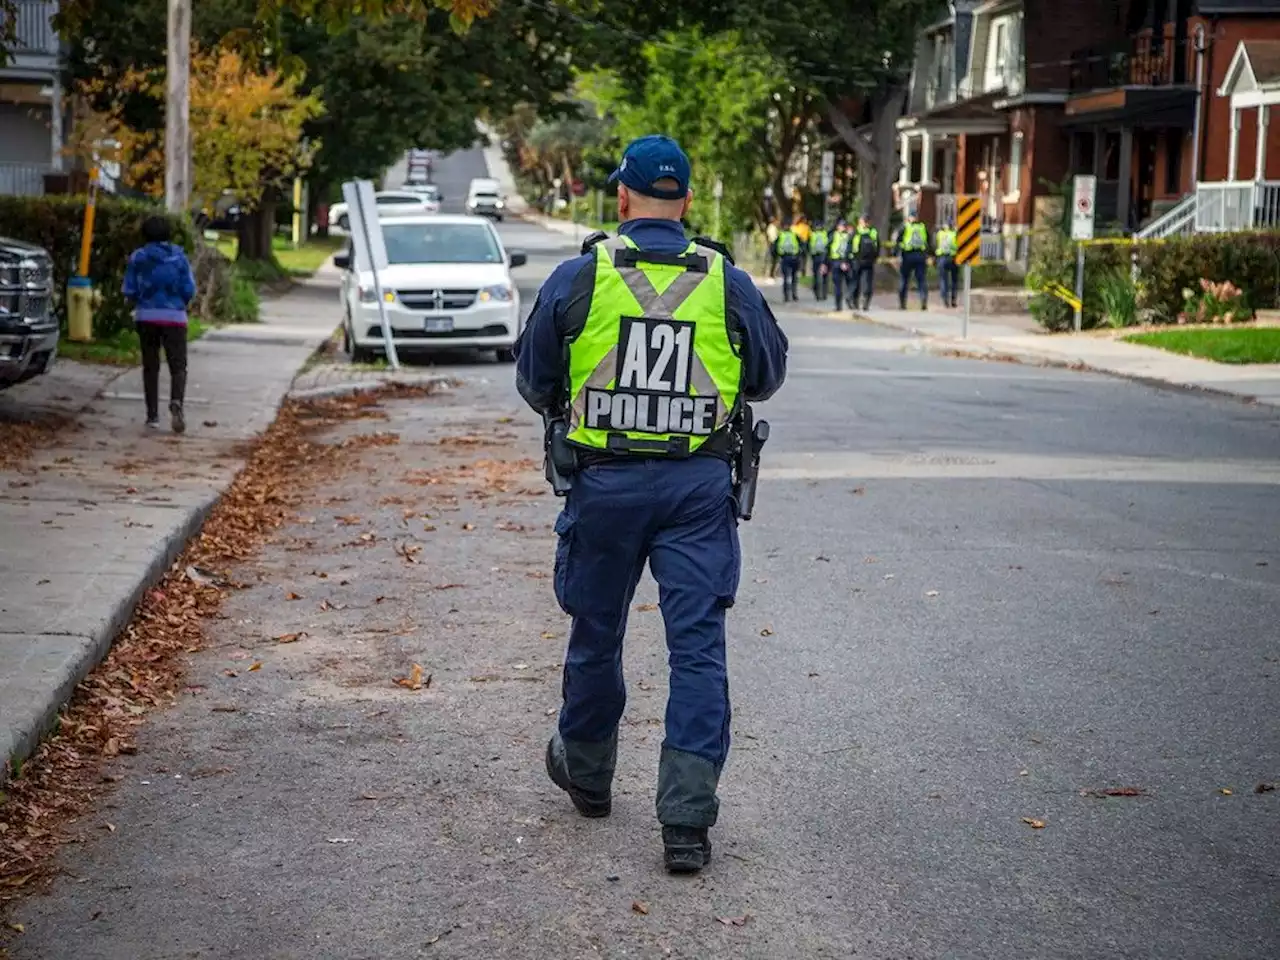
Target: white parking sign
pixel 1082 207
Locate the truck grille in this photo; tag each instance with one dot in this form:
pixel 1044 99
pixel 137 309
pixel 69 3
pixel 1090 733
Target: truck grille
pixel 443 300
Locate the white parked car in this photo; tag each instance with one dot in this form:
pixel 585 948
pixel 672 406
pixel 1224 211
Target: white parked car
pixel 391 203
pixel 448 287
pixel 429 193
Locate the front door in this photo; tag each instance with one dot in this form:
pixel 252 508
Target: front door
pixel 1144 186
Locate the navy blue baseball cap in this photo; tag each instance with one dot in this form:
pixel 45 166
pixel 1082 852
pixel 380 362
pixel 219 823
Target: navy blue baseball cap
pixel 650 159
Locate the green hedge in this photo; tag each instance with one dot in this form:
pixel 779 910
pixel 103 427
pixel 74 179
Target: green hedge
pixel 56 223
pixel 1165 269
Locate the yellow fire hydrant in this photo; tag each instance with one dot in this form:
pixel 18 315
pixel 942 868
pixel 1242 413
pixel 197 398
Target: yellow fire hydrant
pixel 80 287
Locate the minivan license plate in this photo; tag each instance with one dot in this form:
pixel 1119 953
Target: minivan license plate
pixel 439 324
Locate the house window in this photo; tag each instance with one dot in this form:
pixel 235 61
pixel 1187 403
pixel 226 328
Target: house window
pixel 1015 168
pixel 998 53
pixel 1084 153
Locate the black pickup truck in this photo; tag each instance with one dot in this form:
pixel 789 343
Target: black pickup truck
pixel 28 326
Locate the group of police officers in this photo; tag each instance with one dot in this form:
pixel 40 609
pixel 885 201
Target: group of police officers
pixel 846 257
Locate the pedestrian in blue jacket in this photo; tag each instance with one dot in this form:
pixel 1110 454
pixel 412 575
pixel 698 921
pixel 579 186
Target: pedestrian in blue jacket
pixel 159 283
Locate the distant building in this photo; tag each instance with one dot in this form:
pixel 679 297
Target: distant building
pixel 32 125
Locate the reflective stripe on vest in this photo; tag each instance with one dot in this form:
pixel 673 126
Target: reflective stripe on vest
pixel 788 243
pixel 839 245
pixel 818 243
pixel 654 369
pixel 946 243
pixel 915 237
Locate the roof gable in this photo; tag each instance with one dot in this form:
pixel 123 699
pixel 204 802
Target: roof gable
pixel 1254 66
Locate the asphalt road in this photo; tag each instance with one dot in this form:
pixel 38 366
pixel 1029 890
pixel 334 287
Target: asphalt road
pixel 973 593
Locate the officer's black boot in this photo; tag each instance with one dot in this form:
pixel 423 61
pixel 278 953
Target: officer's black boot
pixel 589 803
pixel 685 849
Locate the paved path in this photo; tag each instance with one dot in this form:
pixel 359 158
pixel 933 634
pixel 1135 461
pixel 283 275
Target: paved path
pixel 972 594
pixel 86 525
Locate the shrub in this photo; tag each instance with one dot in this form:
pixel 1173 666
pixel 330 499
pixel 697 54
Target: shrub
pixel 1214 303
pixel 1119 298
pixel 56 223
pixel 1167 268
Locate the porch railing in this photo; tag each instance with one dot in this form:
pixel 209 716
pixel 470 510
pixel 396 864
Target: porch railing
pixel 1178 221
pixel 35 33
pixel 23 179
pixel 1231 206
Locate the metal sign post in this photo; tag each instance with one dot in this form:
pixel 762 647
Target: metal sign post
pixel 1083 201
pixel 828 183
pixel 968 247
pixel 371 251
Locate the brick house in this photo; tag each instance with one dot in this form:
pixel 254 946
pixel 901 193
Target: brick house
pixel 1171 111
pixel 985 111
pixel 1011 97
pixel 32 124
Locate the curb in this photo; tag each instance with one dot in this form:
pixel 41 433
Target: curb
pixel 942 347
pixel 19 741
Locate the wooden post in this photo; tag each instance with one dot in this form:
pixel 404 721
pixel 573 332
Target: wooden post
pixel 177 128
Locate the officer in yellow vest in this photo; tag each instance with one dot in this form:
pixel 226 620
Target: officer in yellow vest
pixel 945 258
pixel 649 344
pixel 789 249
pixel 864 252
pixel 913 253
pixel 841 249
pixel 819 247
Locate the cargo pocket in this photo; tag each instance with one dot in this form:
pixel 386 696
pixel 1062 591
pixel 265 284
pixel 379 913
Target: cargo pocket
pixel 727 590
pixel 564 549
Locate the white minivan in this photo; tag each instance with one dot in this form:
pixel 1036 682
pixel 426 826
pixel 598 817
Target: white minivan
pixel 484 198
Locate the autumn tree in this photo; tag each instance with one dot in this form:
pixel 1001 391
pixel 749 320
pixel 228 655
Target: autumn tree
pixel 246 135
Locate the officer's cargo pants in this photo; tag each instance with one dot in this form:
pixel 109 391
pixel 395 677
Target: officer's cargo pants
pixel 821 276
pixel 914 264
pixel 677 515
pixel 863 283
pixel 790 269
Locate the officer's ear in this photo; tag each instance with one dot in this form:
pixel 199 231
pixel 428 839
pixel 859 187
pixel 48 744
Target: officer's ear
pixel 593 239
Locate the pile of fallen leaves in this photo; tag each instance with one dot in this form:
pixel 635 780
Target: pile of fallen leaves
pixel 145 667
pixel 23 437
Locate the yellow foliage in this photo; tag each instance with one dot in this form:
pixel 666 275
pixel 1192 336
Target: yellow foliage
pixel 246 127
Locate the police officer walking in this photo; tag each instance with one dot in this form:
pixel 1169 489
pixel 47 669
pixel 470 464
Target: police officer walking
pixel 788 247
pixel 819 245
pixel 838 261
pixel 913 253
pixel 945 257
pixel 865 249
pixel 649 344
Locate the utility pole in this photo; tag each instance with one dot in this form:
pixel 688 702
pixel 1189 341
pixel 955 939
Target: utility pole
pixel 177 114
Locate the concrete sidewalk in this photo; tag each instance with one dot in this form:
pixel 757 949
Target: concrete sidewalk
pixel 87 525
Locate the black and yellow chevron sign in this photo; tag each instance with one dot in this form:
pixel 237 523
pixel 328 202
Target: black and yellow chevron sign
pixel 968 231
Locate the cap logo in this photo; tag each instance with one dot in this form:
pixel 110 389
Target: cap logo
pixel 666 168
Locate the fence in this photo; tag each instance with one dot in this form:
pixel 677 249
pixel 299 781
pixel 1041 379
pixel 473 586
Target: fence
pixel 1231 206
pixel 22 179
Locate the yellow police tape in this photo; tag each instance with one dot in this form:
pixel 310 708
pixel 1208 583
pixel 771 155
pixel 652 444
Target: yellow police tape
pixel 1063 294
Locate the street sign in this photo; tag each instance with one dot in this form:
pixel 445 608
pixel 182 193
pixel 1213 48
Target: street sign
pixel 968 231
pixel 370 249
pixel 1083 200
pixel 828 171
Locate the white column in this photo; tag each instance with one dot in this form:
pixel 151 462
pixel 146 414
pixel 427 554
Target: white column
pixel 55 122
pixel 1233 152
pixel 904 157
pixel 949 168
pixel 926 158
pixel 1260 159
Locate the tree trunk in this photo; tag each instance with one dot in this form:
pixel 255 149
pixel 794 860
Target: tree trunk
pixel 886 108
pixel 257 227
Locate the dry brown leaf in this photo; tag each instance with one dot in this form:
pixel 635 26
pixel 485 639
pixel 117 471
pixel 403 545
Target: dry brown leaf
pixel 293 596
pixel 1264 788
pixel 1225 791
pixel 1033 823
pixel 225 708
pixel 468 526
pixel 646 607
pixel 110 827
pixel 17 928
pixel 257 665
pixel 288 638
pixel 414 681
pixel 640 907
pixel 548 635
pixel 741 921
pixel 766 632
pixel 1115 792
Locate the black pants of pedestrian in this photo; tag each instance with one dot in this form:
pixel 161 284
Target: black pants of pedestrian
pixel 949 280
pixel 914 264
pixel 821 277
pixel 790 267
pixel 172 339
pixel 773 264
pixel 864 282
